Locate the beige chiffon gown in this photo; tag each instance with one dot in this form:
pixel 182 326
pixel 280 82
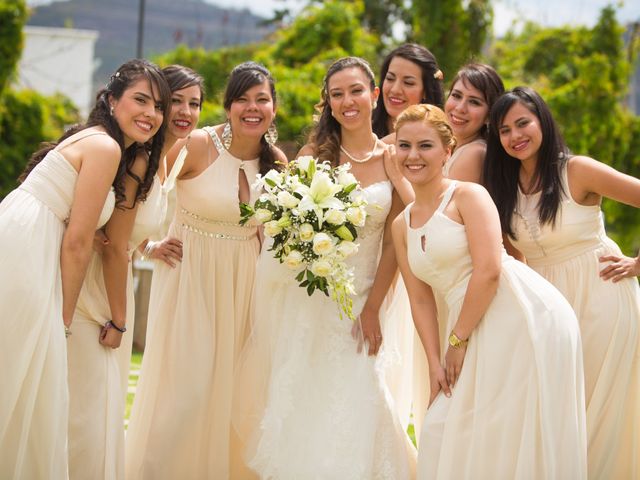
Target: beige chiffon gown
pixel 517 410
pixel 609 317
pixel 198 321
pixel 98 375
pixel 34 400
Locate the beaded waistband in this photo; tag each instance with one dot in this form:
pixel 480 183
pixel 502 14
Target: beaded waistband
pixel 218 229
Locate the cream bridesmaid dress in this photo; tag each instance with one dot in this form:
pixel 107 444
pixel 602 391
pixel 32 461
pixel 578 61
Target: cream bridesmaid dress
pixel 180 425
pixel 98 376
pixel 517 411
pixel 34 400
pixel 609 317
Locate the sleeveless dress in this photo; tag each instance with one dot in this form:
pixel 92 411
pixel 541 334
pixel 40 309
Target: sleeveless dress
pixel 198 322
pixel 609 317
pixel 327 414
pixel 517 411
pixel 98 375
pixel 446 168
pixel 34 401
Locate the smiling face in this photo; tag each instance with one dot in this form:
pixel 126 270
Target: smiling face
pixel 420 152
pixel 467 111
pixel 252 112
pixel 185 111
pixel 520 133
pixel 351 97
pixel 402 86
pixel 138 112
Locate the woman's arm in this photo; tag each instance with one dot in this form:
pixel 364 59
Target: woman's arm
pixel 100 156
pixel 589 181
pixel 468 165
pixel 387 269
pixel 115 255
pixel 512 250
pixel 482 227
pixel 423 311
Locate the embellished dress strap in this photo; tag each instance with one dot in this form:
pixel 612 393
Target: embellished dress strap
pixel 447 196
pixel 216 140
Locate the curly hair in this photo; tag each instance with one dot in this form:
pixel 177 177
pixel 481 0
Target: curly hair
pixel 432 116
pixel 128 73
pixel 433 92
pixel 325 137
pixel 243 77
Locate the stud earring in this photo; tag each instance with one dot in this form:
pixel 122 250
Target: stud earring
pixel 227 135
pixel 271 135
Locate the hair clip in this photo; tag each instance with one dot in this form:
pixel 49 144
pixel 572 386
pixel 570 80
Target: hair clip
pixel 438 75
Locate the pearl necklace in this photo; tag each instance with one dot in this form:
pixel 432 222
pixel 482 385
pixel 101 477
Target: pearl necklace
pixel 367 157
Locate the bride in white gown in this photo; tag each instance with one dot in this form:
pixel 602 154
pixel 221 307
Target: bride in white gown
pixel 324 412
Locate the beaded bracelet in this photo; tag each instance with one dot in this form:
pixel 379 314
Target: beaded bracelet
pixel 110 324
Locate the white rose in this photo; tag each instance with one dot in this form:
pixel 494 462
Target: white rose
pixel 321 268
pixel 322 244
pixel 357 197
pixel 346 178
pixel 306 232
pixel 293 260
pixel 335 217
pixel 346 249
pixel 272 228
pixel 263 215
pixel 286 200
pixel 356 215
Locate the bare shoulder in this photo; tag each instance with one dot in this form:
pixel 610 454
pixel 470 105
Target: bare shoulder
pixel 280 156
pixel 471 191
pixel 581 164
pixel 308 149
pixel 389 139
pixel 398 227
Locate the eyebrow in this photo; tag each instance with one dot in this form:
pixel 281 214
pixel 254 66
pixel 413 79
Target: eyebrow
pixel 515 121
pixel 470 96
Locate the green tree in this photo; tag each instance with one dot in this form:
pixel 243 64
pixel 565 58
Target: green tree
pixel 13 15
pixel 297 55
pixel 583 73
pixel 454 30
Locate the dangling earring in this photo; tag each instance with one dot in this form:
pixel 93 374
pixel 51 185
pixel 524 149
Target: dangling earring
pixel 375 104
pixel 227 135
pixel 111 110
pixel 271 135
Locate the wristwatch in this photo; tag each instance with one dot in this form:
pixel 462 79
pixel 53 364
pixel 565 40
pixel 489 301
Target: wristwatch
pixel 455 342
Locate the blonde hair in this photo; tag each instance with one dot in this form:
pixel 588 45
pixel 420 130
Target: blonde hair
pixel 429 115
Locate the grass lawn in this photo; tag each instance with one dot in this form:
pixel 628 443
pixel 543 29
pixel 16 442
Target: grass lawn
pixel 134 373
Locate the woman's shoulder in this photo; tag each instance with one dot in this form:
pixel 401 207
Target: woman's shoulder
pixel 308 149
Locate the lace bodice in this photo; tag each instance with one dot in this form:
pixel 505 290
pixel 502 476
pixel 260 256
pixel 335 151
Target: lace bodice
pixel 370 236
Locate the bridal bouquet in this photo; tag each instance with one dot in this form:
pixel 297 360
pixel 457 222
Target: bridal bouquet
pixel 311 211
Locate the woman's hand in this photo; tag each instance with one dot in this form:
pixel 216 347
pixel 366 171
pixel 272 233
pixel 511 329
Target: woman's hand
pixel 168 250
pixel 110 337
pixel 367 329
pixel 453 361
pixel 438 382
pixel 619 268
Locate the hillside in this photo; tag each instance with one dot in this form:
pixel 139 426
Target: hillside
pixel 167 23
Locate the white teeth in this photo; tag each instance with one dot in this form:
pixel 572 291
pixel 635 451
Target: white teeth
pixel 414 167
pixel 144 125
pixel 456 120
pixel 396 101
pixel 350 113
pixel 182 123
pixel 252 120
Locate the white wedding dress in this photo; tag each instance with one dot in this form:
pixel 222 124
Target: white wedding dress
pixel 324 412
